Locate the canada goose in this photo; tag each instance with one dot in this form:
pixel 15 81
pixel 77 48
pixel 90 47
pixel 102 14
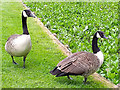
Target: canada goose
pixel 20 45
pixel 81 63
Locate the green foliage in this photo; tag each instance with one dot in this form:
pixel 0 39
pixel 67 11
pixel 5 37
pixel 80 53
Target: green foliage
pixel 75 24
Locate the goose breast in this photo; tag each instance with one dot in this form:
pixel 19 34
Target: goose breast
pixel 18 45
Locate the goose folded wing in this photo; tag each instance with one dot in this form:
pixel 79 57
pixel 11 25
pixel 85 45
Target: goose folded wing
pixel 12 37
pixel 69 59
pixel 72 64
pixel 84 64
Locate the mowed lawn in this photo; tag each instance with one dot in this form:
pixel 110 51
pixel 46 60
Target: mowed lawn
pixel 0 46
pixel 42 58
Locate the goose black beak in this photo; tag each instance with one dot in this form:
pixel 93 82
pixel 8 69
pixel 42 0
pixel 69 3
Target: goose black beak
pixel 32 15
pixel 105 37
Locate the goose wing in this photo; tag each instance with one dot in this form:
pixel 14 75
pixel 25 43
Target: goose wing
pixel 79 63
pixel 12 37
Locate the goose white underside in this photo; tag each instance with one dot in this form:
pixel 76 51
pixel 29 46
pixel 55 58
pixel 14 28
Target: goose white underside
pixel 100 57
pixel 19 46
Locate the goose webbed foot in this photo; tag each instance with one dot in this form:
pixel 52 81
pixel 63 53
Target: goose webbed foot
pixel 23 67
pixel 69 77
pixel 13 60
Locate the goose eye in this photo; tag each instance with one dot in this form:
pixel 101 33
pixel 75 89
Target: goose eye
pixel 102 34
pixel 28 13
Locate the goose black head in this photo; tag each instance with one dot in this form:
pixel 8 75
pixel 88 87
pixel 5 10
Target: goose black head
pixel 100 34
pixel 28 13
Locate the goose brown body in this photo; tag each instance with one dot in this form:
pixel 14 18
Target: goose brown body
pixel 80 63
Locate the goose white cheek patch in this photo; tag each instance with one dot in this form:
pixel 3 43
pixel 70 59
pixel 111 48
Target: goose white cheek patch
pixel 24 14
pixel 98 35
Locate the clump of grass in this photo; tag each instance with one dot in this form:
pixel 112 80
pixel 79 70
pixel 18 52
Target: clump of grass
pixel 0 47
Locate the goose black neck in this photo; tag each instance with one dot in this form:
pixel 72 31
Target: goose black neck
pixel 24 25
pixel 94 45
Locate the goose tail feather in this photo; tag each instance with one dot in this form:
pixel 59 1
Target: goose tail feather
pixel 55 71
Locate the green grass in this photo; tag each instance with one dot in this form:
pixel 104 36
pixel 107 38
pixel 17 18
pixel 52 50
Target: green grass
pixel 75 24
pixel 42 58
pixel 0 45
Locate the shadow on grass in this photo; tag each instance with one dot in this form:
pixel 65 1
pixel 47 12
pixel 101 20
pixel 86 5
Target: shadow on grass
pixel 78 82
pixel 65 80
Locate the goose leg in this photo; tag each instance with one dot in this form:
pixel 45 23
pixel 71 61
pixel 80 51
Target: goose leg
pixel 85 80
pixel 13 60
pixel 69 77
pixel 24 62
